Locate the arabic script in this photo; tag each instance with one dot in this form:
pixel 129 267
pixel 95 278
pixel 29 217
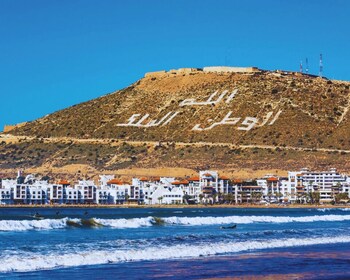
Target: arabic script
pixel 245 124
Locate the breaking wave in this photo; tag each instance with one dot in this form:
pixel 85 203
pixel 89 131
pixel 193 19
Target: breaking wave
pixel 332 209
pixel 47 224
pixel 127 223
pixel 253 219
pixel 34 262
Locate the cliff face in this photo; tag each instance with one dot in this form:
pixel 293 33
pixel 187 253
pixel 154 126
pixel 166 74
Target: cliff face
pixel 259 119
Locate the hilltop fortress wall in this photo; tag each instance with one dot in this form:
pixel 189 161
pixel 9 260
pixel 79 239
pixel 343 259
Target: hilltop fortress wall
pixel 226 69
pixel 8 128
pixel 210 69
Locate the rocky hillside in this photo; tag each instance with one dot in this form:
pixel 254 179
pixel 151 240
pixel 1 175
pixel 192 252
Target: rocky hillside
pixel 195 118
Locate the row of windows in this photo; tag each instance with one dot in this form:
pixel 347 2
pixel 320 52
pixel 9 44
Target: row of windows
pixel 107 193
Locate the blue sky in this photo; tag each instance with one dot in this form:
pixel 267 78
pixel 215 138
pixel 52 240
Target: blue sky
pixel 54 54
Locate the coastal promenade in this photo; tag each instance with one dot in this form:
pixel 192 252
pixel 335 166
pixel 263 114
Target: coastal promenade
pixel 180 206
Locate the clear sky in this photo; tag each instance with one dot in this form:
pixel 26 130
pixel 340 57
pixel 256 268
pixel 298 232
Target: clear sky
pixel 57 53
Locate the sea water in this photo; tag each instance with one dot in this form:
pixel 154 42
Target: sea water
pixel 174 243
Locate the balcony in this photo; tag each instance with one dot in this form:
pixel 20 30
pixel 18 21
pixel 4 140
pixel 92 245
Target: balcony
pixel 208 190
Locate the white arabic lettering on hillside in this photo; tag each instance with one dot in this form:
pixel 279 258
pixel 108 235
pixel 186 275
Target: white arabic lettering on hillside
pixel 248 123
pixel 132 121
pixel 210 101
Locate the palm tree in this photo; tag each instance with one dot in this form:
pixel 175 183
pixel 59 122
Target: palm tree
pixel 341 196
pixel 288 196
pixel 186 198
pixel 215 196
pixel 126 198
pixel 230 198
pixel 335 191
pixel 310 184
pixel 227 198
pixel 279 195
pixel 304 197
pixel 269 195
pixel 255 196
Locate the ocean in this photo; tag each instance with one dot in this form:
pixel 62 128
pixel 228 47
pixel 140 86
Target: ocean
pixel 174 243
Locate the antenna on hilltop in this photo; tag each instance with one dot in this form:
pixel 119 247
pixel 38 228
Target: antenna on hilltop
pixel 307 66
pixel 301 66
pixel 321 66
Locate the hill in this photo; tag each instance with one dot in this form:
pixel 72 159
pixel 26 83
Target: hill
pixel 224 118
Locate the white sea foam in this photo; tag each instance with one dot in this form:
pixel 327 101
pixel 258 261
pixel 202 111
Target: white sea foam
pixel 22 225
pixel 96 257
pixel 197 221
pixel 332 209
pixel 47 224
pixel 253 219
pixel 126 223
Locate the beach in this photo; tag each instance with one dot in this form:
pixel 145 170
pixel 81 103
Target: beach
pixel 174 242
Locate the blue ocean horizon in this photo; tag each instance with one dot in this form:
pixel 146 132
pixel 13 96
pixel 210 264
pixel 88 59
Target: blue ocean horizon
pixel 174 243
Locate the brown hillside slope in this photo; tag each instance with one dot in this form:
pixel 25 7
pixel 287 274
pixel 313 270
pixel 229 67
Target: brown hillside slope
pixel 262 120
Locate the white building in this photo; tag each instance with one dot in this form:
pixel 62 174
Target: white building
pixel 209 187
pixel 104 179
pixel 71 195
pixel 6 192
pixel 274 189
pixel 211 183
pixel 292 185
pixel 346 186
pixel 193 189
pixel 57 192
pixel 37 193
pixel 117 191
pixel 87 190
pixel 158 190
pixel 326 183
pixel 106 195
pixel 164 194
pixel 27 190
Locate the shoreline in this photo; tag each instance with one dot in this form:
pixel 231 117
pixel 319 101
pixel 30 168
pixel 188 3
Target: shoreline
pixel 241 206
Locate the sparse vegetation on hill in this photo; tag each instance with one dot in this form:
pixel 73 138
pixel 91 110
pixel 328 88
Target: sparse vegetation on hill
pixel 313 115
